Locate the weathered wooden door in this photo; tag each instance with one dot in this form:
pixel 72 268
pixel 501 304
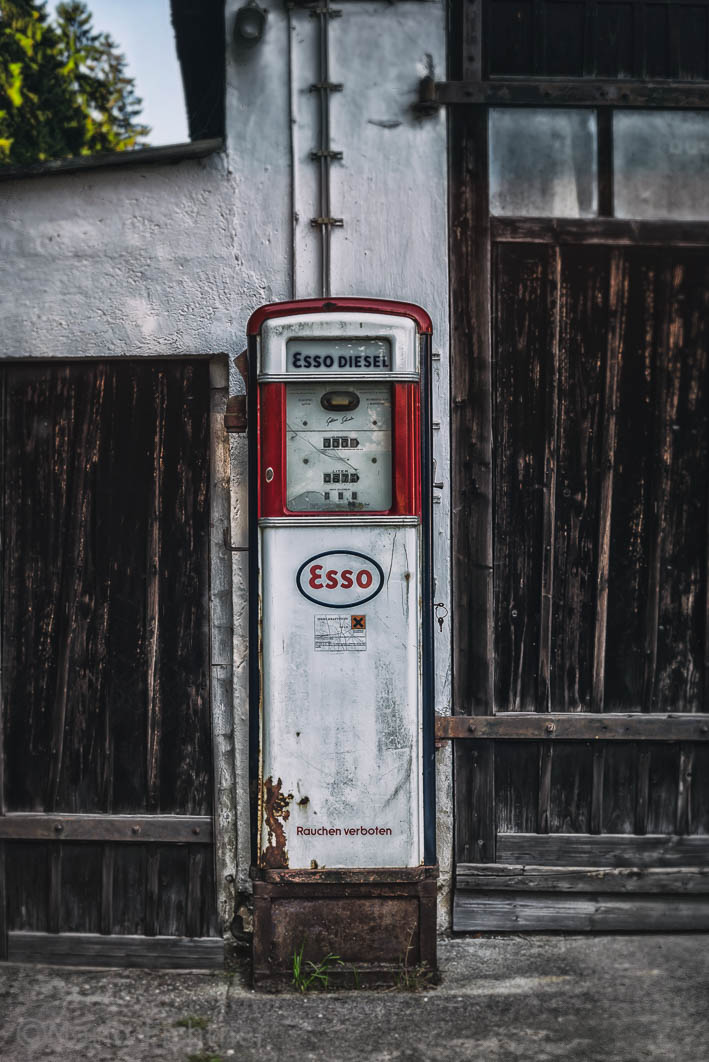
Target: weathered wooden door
pixel 580 470
pixel 105 813
pixel 600 476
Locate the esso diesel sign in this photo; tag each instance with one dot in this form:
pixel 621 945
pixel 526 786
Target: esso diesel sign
pixel 340 578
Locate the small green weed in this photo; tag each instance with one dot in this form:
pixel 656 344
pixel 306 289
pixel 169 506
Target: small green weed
pixel 413 978
pixel 204 1056
pixel 192 1021
pixel 307 974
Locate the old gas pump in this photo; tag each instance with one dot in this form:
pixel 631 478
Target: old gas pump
pixel 341 647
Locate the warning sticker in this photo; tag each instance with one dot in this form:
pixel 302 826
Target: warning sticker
pixel 340 634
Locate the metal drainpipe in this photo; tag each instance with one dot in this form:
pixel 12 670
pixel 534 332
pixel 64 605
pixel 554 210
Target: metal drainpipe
pixel 324 153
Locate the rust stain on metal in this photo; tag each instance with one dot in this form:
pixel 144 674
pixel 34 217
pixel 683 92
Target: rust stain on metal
pixel 275 813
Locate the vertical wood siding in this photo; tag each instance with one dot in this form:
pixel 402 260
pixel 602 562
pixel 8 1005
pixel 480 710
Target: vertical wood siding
pixel 105 635
pixel 601 466
pixel 627 532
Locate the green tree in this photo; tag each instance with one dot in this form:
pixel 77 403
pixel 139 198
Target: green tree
pixel 63 87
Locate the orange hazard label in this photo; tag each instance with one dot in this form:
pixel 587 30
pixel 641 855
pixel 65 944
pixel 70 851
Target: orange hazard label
pixel 358 623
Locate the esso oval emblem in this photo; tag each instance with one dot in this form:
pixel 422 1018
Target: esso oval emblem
pixel 340 578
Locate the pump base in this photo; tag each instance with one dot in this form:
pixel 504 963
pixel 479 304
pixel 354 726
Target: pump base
pixel 379 923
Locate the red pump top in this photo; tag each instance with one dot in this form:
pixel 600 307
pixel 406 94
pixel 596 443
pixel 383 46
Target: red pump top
pixel 286 309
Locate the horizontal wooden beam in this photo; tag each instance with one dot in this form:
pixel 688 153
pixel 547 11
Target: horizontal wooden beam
pixel 493 876
pixel 613 231
pixel 602 850
pixel 514 912
pixel 169 829
pixel 568 726
pixel 557 92
pixel 93 949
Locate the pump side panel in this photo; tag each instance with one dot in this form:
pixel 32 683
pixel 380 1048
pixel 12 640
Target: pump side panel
pixel 341 707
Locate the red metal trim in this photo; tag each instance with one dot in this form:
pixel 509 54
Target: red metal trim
pixel 332 305
pixel 406 461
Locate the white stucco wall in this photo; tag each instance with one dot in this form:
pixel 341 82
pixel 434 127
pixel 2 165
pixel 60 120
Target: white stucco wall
pixel 120 262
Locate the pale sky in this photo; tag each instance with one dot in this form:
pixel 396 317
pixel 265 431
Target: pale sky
pixel 144 34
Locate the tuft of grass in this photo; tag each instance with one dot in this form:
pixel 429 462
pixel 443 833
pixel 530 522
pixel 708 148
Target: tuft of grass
pixel 413 978
pixel 204 1056
pixel 192 1021
pixel 307 974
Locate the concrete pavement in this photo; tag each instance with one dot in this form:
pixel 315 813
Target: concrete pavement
pixel 611 998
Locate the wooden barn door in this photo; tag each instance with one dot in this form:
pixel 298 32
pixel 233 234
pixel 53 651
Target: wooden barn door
pixel 580 415
pixel 600 767
pixel 106 799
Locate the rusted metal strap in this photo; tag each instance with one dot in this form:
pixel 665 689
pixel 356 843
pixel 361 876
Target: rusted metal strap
pixel 168 829
pixel 516 726
pixel 235 417
pixel 579 92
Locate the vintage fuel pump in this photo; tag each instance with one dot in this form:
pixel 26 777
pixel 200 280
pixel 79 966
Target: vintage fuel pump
pixel 341 635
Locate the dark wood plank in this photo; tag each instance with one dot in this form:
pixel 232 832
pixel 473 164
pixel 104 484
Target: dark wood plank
pixel 553 407
pixel 628 652
pixel 107 863
pixel 517 780
pixel 489 877
pixel 471 410
pixel 600 230
pixel 172 891
pixel 54 906
pixel 525 388
pixel 584 92
pixel 152 889
pixel 642 802
pixel 584 307
pixel 664 773
pixel 684 789
pixel 517 912
pixel 619 788
pixel 470 41
pixel 129 877
pixel 80 888
pixel 699 795
pixel 598 768
pixel 571 788
pixel 471 486
pixel 615 41
pixel 79 949
pixel 27 877
pixel 576 726
pixel 617 305
pixel 3 904
pixel 544 792
pixel 153 642
pixel 78 502
pixel 180 829
pixel 684 364
pixel 658 489
pixel 568 849
pixel 194 876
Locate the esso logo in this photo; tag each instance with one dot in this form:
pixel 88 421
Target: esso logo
pixel 340 578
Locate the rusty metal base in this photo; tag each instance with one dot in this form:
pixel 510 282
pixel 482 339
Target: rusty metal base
pixel 381 923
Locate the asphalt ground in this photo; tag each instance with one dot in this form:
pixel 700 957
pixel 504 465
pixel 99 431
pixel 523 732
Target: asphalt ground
pixel 537 997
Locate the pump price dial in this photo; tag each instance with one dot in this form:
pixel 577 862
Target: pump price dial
pixel 338 447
